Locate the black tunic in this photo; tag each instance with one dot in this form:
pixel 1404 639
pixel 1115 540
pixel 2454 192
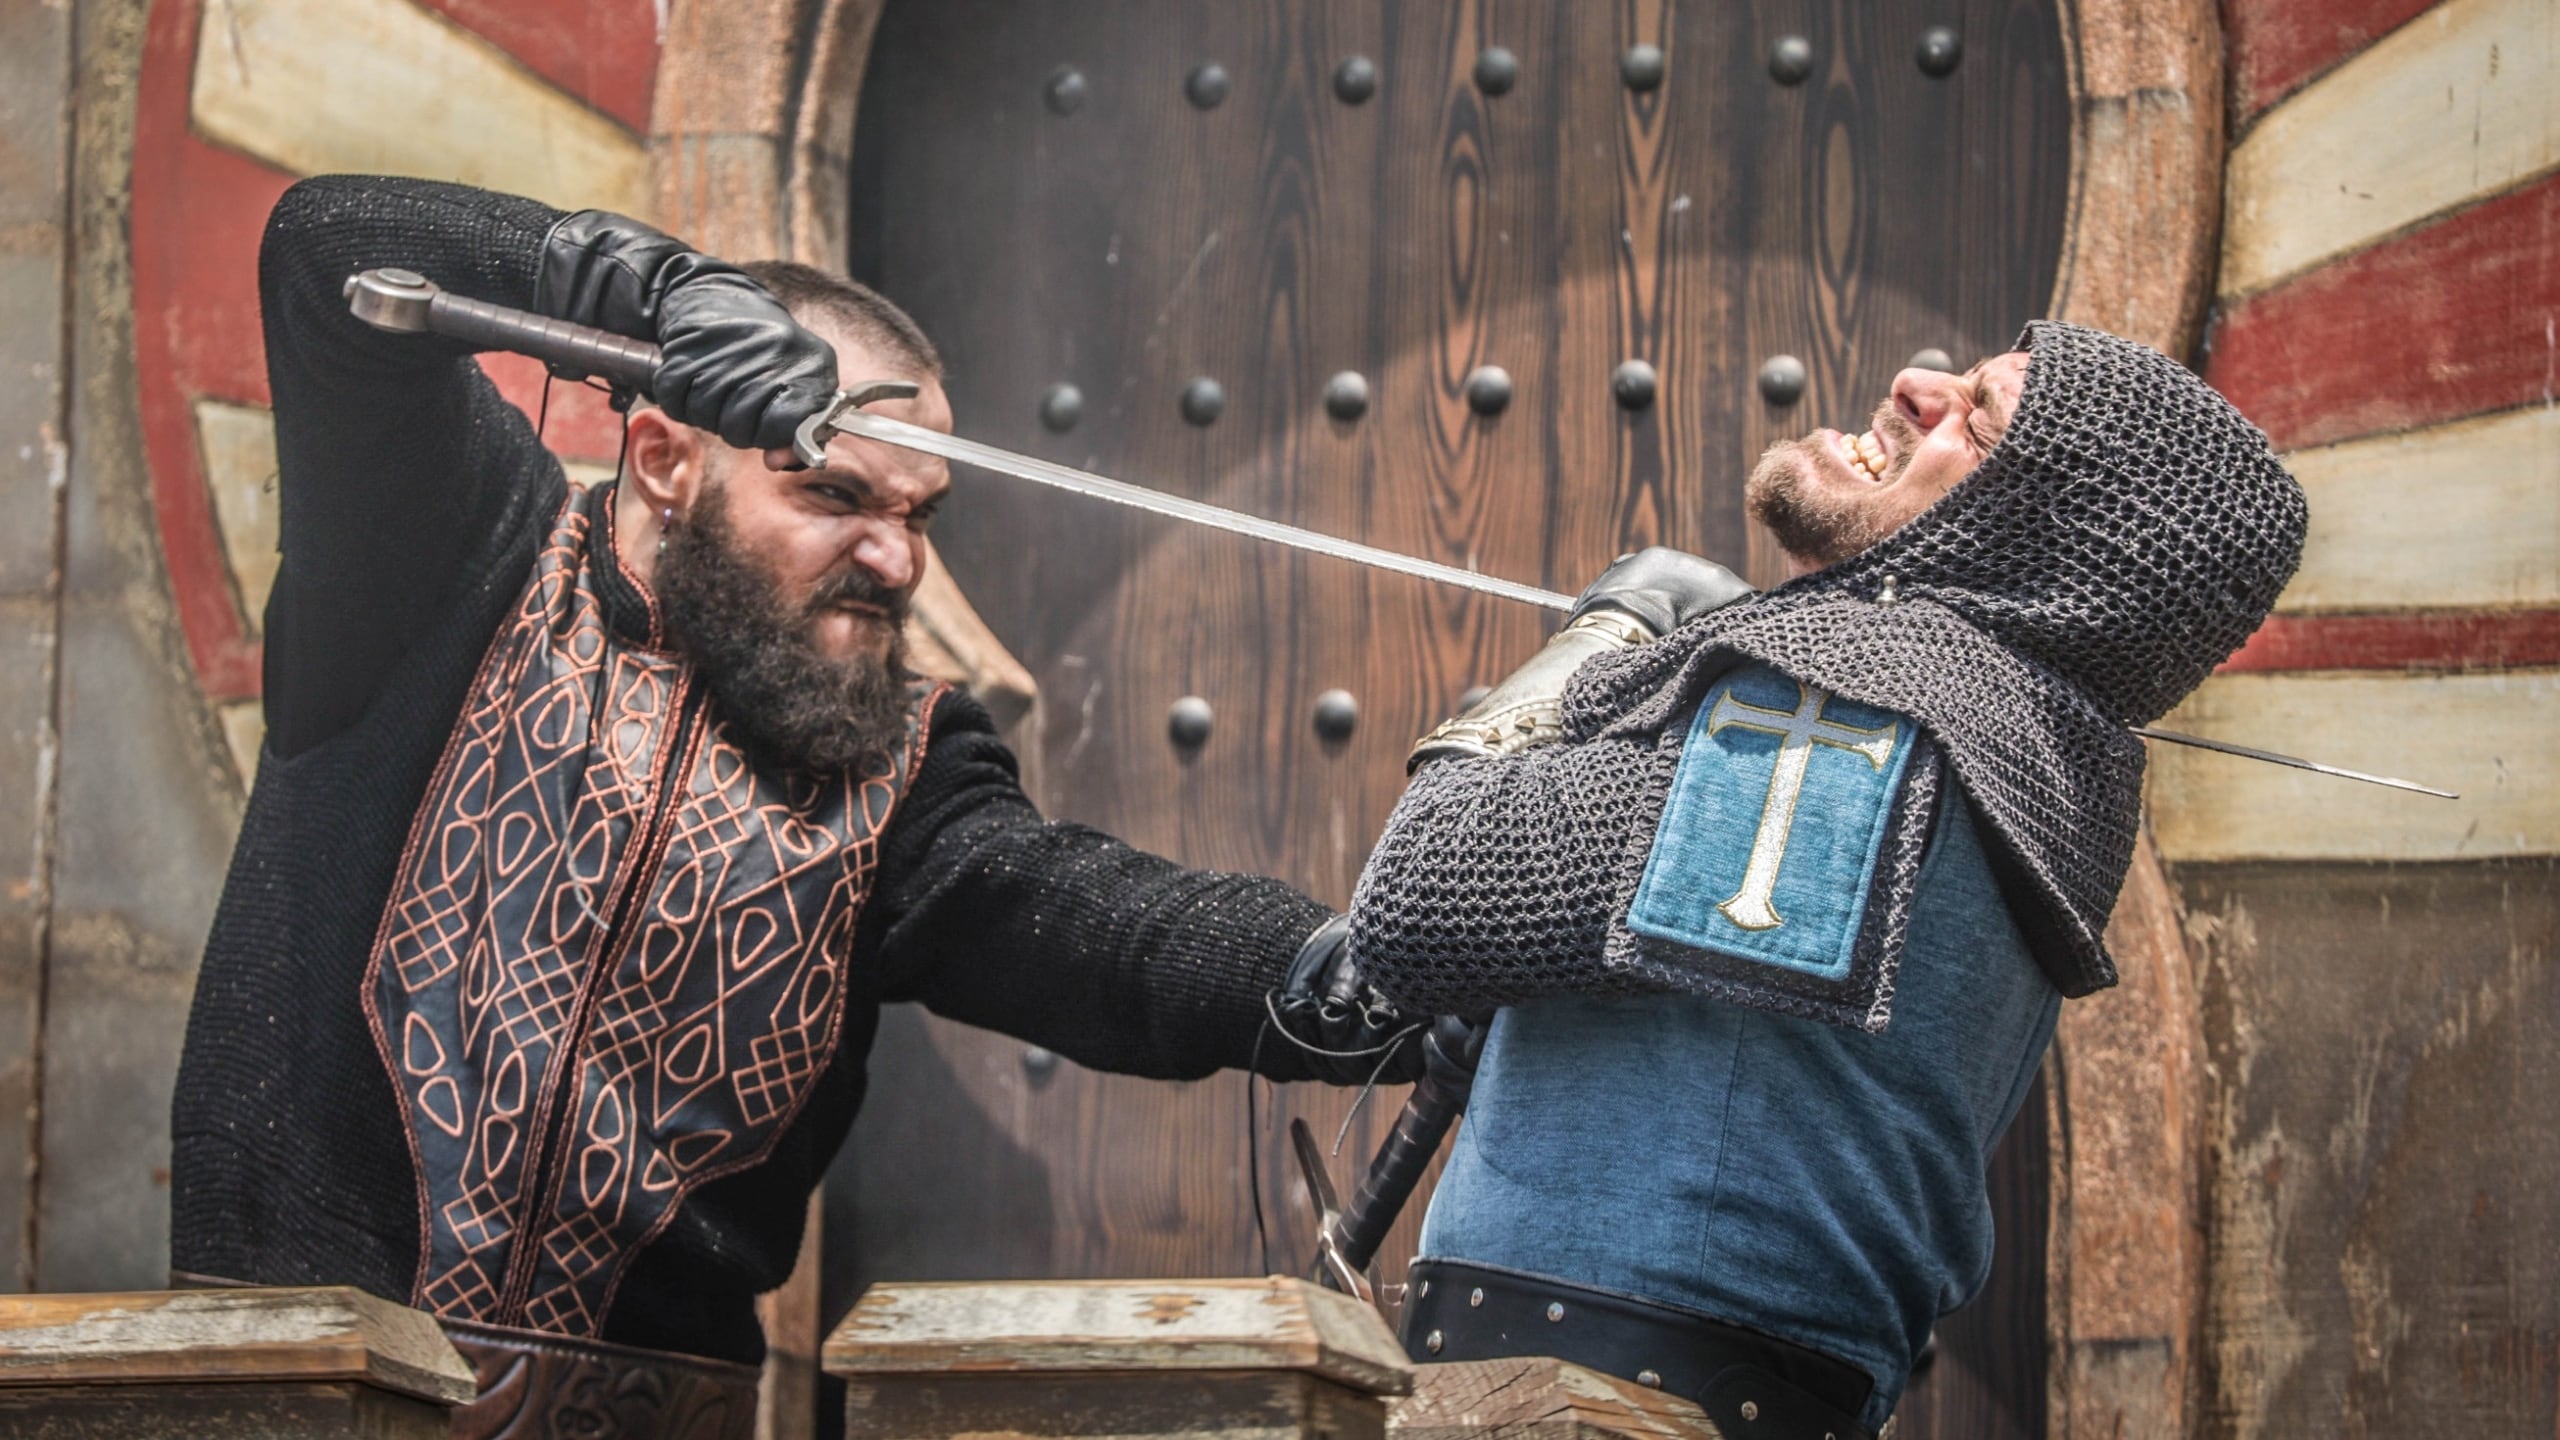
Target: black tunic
pixel 413 499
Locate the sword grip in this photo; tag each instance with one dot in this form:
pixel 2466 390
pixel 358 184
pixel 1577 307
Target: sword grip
pixel 401 300
pixel 1449 1076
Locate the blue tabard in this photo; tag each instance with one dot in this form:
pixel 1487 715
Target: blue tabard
pixel 1813 1181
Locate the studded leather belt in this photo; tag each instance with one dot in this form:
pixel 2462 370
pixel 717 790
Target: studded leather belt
pixel 534 1386
pixel 1753 1386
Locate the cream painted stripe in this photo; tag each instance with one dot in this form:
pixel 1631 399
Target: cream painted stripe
pixel 2487 736
pixel 238 443
pixel 2466 514
pixel 2458 104
pixel 384 87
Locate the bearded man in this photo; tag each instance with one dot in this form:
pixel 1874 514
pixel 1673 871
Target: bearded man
pixel 593 829
pixel 1779 927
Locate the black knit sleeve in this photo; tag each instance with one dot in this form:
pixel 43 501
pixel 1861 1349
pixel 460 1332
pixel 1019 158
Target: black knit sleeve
pixel 395 455
pixel 1063 936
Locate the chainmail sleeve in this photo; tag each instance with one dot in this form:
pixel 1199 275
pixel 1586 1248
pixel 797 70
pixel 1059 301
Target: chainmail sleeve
pixel 1496 878
pixel 1061 935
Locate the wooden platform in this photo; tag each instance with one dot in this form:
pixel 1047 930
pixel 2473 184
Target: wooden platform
pixel 282 1364
pixel 1267 1359
pixel 1538 1399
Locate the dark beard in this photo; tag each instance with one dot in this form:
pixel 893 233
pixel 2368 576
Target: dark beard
pixel 1812 523
pixel 791 702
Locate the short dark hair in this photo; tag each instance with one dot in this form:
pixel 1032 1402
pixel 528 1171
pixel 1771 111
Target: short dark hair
pixel 819 299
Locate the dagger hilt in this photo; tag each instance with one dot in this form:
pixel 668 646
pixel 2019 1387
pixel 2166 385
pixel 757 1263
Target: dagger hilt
pixel 1449 1055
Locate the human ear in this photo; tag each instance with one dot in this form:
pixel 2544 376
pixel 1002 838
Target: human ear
pixel 666 461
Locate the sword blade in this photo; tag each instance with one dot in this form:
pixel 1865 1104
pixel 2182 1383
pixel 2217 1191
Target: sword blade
pixel 1197 512
pixel 1218 517
pixel 2272 757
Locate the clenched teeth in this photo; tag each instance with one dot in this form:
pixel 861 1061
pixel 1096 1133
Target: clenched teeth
pixel 1868 451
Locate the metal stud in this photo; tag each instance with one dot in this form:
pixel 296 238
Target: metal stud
pixel 1750 1409
pixel 1346 396
pixel 1203 401
pixel 1061 407
pixel 1782 380
pixel 1642 67
pixel 1497 70
pixel 1555 1311
pixel 1932 358
pixel 1422 1291
pixel 1940 50
pixel 1066 90
pixel 1336 715
pixel 1038 1061
pixel 1431 1342
pixel 1649 1379
pixel 1488 389
pixel 1633 384
pixel 1206 85
pixel 1188 723
pixel 1790 59
pixel 1475 1297
pixel 1355 80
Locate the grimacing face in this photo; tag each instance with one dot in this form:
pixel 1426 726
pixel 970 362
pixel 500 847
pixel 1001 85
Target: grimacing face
pixel 1829 496
pixel 851 536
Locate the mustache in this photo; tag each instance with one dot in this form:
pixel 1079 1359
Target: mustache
pixel 856 587
pixel 1900 435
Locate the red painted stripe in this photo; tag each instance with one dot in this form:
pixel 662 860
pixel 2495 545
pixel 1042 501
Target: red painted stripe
pixel 2456 318
pixel 2409 640
pixel 197 212
pixel 2277 46
pixel 605 52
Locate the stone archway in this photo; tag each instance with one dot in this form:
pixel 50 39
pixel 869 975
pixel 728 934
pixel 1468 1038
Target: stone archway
pixel 752 137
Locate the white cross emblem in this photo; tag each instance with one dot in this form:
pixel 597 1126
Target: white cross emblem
pixel 1799 731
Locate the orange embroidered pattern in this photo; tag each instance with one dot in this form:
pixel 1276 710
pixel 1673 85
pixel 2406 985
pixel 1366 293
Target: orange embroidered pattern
pixel 614 959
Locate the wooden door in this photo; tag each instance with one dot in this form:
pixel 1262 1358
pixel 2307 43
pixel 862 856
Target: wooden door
pixel 1065 197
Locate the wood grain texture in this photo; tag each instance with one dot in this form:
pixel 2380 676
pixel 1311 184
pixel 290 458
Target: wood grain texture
pixel 2125 1262
pixel 2146 168
pixel 1539 1399
pixel 220 1410
pixel 1183 1405
pixel 163 1336
pixel 2460 104
pixel 1283 236
pixel 2452 319
pixel 1276 1322
pixel 2385 1253
pixel 35 267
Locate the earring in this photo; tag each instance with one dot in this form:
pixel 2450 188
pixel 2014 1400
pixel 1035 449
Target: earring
pixel 666 522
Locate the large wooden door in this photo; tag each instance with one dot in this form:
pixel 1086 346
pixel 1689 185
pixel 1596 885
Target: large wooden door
pixel 1066 197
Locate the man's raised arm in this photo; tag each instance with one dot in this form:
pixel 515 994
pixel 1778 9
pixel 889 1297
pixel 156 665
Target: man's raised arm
pixel 405 481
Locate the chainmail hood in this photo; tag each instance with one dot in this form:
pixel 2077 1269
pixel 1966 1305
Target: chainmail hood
pixel 2126 535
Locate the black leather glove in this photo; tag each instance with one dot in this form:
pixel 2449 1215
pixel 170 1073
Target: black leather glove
pixel 1662 588
pixel 734 361
pixel 1341 1029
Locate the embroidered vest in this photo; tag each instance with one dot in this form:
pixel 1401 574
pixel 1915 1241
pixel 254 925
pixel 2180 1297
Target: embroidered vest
pixel 614 957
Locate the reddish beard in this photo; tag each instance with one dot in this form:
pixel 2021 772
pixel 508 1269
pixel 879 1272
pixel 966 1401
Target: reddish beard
pixel 1821 523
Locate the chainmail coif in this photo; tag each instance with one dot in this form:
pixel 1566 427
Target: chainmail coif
pixel 2127 534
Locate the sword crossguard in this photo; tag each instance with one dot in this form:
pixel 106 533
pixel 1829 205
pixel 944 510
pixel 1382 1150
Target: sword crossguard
pixel 809 442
